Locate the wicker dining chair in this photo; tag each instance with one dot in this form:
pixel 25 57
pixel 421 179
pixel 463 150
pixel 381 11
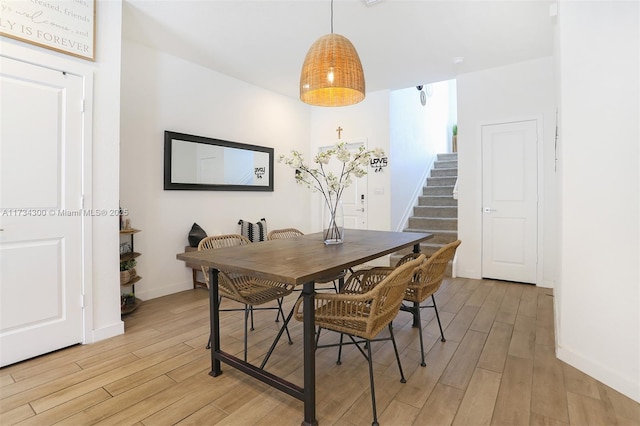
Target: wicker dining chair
pixel 278 234
pixel 244 289
pixel 364 307
pixel 426 281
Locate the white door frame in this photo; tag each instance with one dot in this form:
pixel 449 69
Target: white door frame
pixel 62 64
pixel 353 143
pixel 540 182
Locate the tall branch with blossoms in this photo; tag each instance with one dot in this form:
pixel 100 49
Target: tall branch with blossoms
pixel 331 185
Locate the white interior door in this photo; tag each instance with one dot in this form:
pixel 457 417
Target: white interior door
pixel 509 196
pixel 354 197
pixel 40 210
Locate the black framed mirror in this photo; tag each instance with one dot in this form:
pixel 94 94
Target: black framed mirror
pixel 206 164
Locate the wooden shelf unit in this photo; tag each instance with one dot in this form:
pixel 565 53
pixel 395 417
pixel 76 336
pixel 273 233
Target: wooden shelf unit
pixel 128 256
pixel 124 257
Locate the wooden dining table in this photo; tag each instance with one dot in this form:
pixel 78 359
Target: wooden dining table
pixel 299 261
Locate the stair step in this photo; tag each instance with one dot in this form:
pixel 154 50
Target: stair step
pixel 442 181
pixel 440 236
pixel 444 172
pixel 435 211
pixel 448 156
pixel 445 164
pixel 438 190
pixel 437 200
pixel 433 223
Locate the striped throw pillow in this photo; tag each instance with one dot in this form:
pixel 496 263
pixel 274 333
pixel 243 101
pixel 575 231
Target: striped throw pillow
pixel 254 231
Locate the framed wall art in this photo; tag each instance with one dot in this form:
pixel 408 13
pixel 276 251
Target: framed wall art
pixel 66 26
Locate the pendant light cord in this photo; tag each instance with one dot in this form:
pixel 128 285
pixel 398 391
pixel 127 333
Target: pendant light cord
pixel 331 16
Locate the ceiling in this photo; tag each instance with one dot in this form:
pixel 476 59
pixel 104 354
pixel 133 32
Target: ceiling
pixel 401 43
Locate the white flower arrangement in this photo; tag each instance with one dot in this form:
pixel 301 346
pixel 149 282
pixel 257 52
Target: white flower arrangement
pixel 329 184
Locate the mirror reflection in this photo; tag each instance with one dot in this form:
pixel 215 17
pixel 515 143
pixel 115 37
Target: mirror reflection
pixel 194 162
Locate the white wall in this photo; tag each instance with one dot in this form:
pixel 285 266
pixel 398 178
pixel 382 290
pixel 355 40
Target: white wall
pixel 102 288
pixel 522 90
pixel 418 133
pixel 367 120
pixel 597 297
pixel 162 92
pixel 106 164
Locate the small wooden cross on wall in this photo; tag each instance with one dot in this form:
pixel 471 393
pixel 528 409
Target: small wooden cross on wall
pixel 339 130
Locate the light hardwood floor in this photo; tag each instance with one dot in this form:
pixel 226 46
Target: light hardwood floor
pixel 496 367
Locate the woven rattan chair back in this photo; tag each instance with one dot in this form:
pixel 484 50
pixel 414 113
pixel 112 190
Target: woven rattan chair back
pixel 365 314
pixel 428 277
pixel 278 234
pixel 220 241
pixel 390 293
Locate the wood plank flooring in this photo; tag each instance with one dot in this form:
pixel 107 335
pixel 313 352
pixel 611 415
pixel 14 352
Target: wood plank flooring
pixel 497 367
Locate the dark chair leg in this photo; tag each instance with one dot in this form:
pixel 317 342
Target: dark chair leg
pixel 442 339
pixel 339 361
pixel 373 387
pixel 251 310
pixel 280 311
pixel 246 317
pixel 395 349
pixel 416 315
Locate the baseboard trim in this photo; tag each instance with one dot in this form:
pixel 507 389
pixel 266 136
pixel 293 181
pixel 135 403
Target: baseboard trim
pixel 107 332
pixel 546 284
pixel 467 273
pixel 165 291
pixel 600 372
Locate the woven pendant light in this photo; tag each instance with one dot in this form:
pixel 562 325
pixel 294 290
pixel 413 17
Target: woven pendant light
pixel 332 74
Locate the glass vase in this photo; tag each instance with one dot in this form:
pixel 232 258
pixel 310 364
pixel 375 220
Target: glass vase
pixel 333 221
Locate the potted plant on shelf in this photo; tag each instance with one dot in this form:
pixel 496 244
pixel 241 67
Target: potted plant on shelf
pixel 127 300
pixel 454 138
pixel 127 271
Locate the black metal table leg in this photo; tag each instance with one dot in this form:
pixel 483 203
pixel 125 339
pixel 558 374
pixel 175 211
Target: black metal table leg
pixel 309 355
pixel 214 316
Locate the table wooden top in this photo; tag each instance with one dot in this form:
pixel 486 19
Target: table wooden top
pixel 306 258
